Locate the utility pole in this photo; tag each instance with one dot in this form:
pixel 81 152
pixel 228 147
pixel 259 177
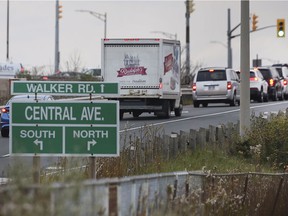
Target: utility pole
pixel 245 69
pixel 229 49
pixel 57 52
pixel 189 10
pixel 229 38
pixel 7 53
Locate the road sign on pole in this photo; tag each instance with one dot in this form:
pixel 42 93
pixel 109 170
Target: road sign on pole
pixel 65 128
pixel 63 88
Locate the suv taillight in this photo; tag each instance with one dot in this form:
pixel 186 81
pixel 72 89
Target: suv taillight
pixel 253 78
pixel 271 82
pixel 285 82
pixel 194 87
pixel 229 85
pixel 4 110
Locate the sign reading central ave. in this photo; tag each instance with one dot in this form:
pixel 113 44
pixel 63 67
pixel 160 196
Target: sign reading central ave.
pixel 71 128
pixel 63 88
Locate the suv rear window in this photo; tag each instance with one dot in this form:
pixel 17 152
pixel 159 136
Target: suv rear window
pixel 214 75
pixel 279 71
pixel 266 73
pixel 252 74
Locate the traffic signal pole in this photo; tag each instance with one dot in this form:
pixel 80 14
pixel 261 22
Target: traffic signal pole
pixel 229 49
pixel 245 69
pixel 187 65
pixel 189 10
pixel 57 53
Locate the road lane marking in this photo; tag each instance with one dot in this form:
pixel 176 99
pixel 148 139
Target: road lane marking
pixel 200 116
pixel 4 156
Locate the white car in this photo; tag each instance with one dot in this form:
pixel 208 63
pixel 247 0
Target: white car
pixel 216 85
pixel 258 86
pixel 283 72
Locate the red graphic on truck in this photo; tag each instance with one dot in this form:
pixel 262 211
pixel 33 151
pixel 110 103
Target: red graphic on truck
pixel 168 63
pixel 132 66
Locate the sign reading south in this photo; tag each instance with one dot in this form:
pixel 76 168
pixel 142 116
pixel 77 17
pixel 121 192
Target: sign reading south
pixel 100 113
pixel 63 88
pixel 37 140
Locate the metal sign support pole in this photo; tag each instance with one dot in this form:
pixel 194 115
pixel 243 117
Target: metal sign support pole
pixel 36 169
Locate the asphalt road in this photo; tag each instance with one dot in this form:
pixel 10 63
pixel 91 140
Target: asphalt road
pixel 192 118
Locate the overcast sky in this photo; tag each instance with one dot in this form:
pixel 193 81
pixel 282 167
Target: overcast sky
pixel 32 29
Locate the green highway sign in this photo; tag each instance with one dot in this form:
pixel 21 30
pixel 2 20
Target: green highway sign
pixel 69 128
pixel 87 140
pixel 57 112
pixel 37 140
pixel 63 88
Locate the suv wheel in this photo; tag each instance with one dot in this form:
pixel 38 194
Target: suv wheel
pixel 233 101
pixel 281 98
pixel 261 96
pixel 274 96
pixel 266 97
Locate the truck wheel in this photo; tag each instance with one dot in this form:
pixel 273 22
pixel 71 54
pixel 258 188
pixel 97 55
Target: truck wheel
pixel 136 114
pixel 178 111
pixel 167 109
pixel 196 104
pixel 121 114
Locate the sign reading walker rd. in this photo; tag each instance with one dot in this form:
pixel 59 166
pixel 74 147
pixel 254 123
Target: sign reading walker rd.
pixel 70 128
pixel 63 88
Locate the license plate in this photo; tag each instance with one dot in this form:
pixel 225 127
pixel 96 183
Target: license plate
pixel 210 88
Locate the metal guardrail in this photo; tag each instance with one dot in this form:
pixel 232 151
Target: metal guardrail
pixel 186 91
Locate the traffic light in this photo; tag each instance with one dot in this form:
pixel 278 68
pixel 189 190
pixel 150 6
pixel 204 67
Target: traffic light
pixel 190 6
pixel 60 11
pixel 280 27
pixel 254 22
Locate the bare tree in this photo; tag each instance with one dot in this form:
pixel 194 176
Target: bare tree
pixel 74 62
pixel 187 79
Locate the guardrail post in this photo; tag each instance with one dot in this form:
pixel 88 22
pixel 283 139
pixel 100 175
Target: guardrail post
pixel 36 169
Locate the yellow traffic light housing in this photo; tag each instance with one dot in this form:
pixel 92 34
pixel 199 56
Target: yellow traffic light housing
pixel 60 11
pixel 254 22
pixel 280 27
pixel 190 6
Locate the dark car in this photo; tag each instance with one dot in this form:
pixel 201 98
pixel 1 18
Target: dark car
pixel 275 89
pixel 5 116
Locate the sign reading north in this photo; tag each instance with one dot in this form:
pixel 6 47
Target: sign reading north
pixel 74 128
pixel 63 88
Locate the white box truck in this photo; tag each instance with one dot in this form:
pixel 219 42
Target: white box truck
pixel 148 73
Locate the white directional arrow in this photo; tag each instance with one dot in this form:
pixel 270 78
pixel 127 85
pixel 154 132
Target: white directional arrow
pixel 39 142
pixel 92 142
pixel 102 88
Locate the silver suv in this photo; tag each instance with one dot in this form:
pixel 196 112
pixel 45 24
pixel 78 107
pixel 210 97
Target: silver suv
pixel 216 85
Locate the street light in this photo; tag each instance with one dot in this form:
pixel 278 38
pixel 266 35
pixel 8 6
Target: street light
pixel 219 42
pixel 102 17
pixel 169 35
